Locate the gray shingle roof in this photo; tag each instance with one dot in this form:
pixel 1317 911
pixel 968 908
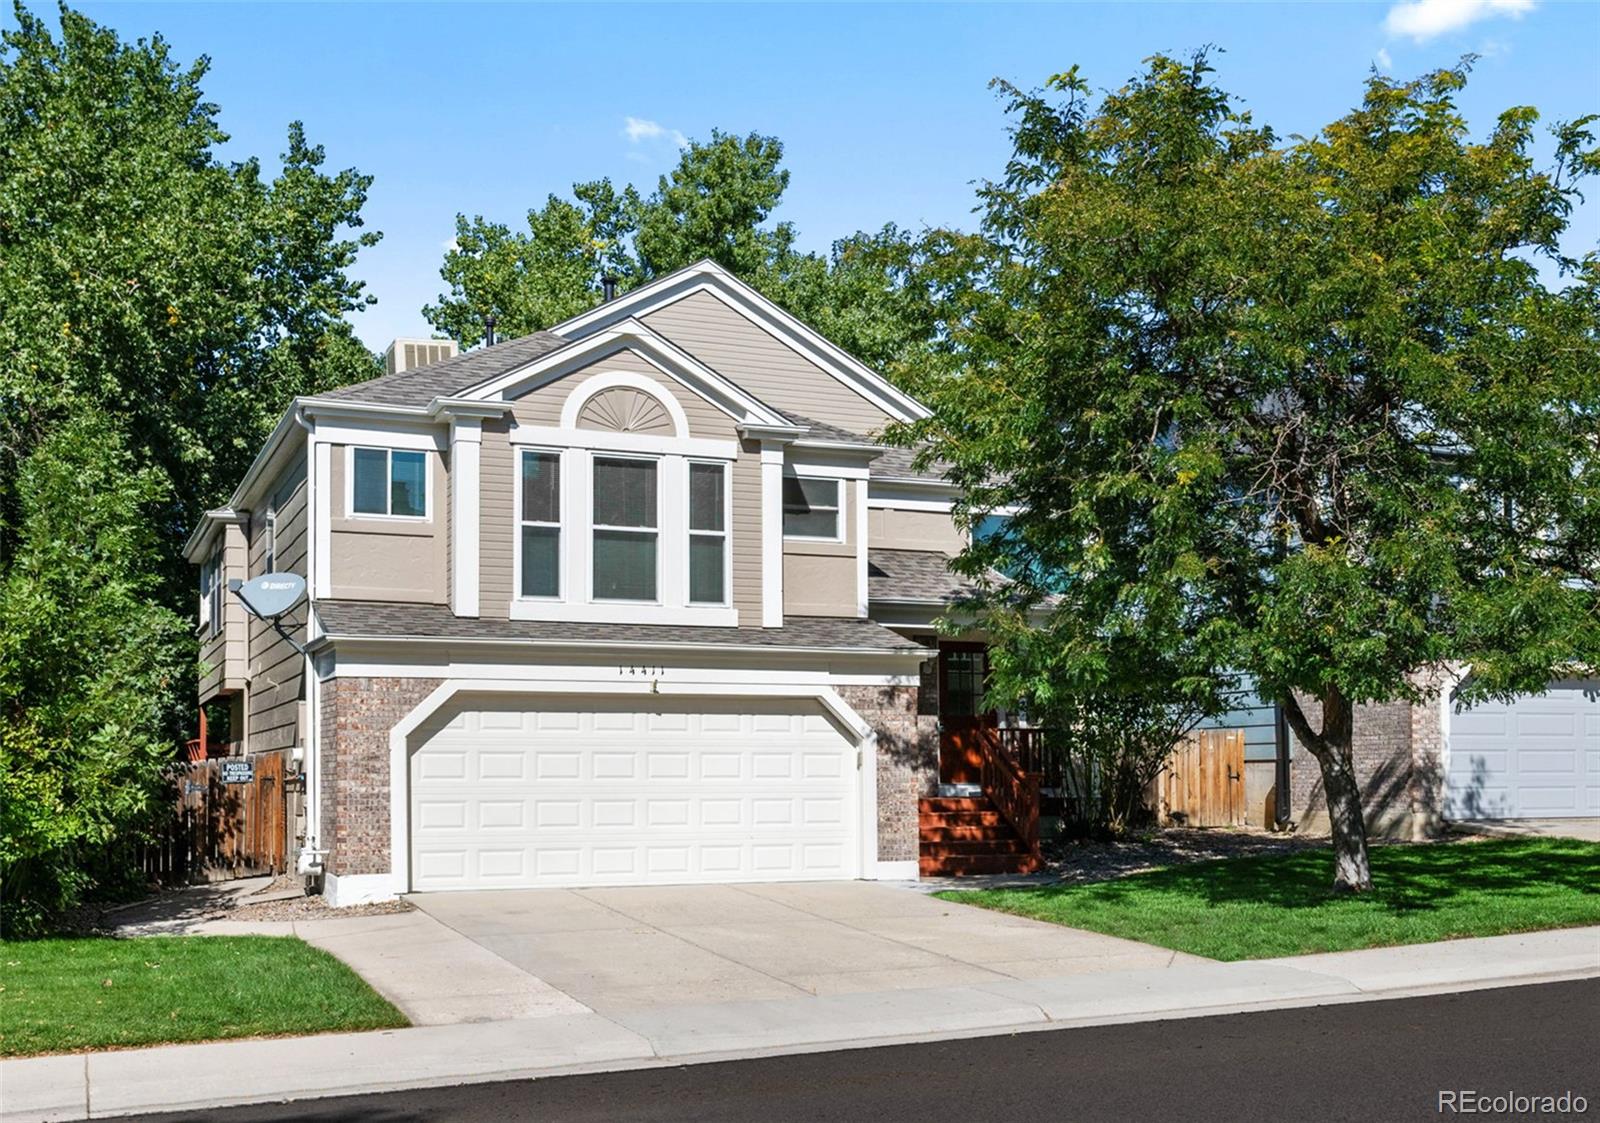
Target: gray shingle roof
pixel 393 619
pixel 823 431
pixel 915 575
pixel 451 376
pixel 895 463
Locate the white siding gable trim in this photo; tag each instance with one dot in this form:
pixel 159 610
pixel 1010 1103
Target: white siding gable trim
pixel 660 353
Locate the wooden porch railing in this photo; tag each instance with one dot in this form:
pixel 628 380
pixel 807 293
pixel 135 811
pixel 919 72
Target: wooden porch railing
pixel 1013 790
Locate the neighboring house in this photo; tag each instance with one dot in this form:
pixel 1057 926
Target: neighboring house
pixel 636 599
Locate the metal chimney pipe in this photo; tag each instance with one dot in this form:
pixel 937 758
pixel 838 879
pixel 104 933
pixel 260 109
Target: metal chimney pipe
pixel 608 286
pixel 488 330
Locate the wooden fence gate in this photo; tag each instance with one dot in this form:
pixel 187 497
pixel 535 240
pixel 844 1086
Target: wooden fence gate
pixel 1203 783
pixel 224 826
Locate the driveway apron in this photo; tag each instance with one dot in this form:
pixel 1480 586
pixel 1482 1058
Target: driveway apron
pixel 626 949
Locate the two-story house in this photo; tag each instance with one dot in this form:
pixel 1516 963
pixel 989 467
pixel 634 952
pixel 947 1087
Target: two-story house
pixel 636 599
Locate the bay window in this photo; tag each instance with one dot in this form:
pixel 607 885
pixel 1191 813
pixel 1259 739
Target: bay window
pixel 626 529
pixel 540 519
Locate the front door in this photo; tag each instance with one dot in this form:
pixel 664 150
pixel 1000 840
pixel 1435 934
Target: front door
pixel 963 675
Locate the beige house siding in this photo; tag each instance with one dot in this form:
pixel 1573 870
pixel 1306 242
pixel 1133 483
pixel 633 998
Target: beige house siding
pixel 819 578
pixel 913 530
pixel 273 709
pixel 543 406
pixel 223 655
pixel 771 370
pixel 384 559
pixel 497 493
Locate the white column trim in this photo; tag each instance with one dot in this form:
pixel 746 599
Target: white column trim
pixel 861 547
pixel 321 517
pixel 771 534
pixel 466 512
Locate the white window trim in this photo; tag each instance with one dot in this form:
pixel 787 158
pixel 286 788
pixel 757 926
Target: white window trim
pixel 269 556
pixel 350 511
pixel 562 525
pixel 838 535
pixel 577 603
pixel 659 529
pixel 726 532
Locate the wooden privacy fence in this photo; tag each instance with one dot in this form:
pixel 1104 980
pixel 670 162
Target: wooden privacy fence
pixel 1203 783
pixel 224 825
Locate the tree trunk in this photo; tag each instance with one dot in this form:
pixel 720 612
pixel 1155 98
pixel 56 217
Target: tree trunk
pixel 1331 746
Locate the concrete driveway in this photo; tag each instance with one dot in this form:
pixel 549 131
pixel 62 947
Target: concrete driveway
pixel 617 950
pixel 1585 830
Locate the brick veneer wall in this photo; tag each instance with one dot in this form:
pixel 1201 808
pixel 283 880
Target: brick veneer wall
pixel 1398 750
pixel 908 761
pixel 357 715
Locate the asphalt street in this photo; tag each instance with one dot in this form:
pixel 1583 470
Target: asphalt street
pixel 1368 1061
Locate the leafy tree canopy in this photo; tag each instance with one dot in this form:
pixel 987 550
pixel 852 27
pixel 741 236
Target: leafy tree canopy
pixel 873 294
pixel 1303 410
pixel 158 310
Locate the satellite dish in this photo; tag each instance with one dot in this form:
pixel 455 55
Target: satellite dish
pixel 272 594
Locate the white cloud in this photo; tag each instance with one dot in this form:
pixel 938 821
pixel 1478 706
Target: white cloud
pixel 1424 19
pixel 638 130
pixel 1384 61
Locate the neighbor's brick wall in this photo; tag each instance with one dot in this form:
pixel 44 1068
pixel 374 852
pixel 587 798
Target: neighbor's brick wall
pixel 908 760
pixel 1398 748
pixel 357 715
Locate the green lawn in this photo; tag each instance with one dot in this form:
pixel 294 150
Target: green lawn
pixel 69 994
pixel 1257 907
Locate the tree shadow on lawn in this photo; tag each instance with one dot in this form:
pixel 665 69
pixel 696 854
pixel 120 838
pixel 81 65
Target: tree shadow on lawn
pixel 1406 878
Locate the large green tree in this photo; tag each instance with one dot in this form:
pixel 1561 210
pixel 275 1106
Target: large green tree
pixel 873 294
pixel 158 309
pixel 1327 410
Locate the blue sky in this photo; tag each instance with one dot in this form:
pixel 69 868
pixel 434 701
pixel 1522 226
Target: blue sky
pixel 884 110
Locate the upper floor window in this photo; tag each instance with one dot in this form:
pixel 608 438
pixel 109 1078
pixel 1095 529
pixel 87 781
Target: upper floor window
pixel 540 516
pixel 811 508
pixel 389 482
pixel 211 586
pixel 626 528
pixel 708 534
pixel 269 554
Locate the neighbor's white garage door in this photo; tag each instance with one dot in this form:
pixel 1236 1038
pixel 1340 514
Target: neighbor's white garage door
pixel 1538 757
pixel 572 791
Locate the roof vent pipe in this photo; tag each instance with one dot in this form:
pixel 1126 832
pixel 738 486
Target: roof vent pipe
pixel 608 286
pixel 488 330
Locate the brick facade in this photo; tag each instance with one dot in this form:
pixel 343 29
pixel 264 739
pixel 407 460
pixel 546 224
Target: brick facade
pixel 908 760
pixel 1398 752
pixel 357 715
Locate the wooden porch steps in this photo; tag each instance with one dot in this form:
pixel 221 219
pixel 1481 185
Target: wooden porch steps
pixel 962 836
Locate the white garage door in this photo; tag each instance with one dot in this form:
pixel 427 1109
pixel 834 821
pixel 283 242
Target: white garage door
pixel 1537 758
pixel 573 791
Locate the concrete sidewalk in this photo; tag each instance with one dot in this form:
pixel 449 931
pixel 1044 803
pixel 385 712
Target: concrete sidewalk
pixel 182 1077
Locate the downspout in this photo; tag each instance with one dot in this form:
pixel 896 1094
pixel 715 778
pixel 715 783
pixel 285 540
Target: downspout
pixel 1280 805
pixel 311 854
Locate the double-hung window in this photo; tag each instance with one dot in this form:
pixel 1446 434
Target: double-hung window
pixel 626 528
pixel 389 482
pixel 269 553
pixel 211 594
pixel 708 534
pixel 541 524
pixel 811 508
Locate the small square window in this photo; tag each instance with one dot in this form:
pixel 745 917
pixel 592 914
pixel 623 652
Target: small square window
pixel 389 482
pixel 810 508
